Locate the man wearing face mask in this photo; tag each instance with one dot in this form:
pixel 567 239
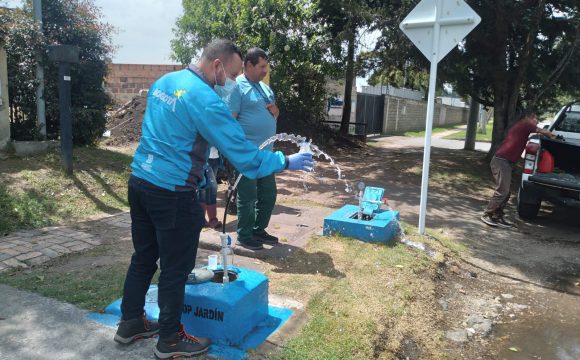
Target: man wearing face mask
pixel 183 115
pixel 254 105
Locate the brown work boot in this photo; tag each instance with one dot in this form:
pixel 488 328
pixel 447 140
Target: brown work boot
pixel 135 329
pixel 181 344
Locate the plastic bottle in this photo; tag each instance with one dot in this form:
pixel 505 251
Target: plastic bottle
pixel 305 147
pixel 227 254
pixel 230 252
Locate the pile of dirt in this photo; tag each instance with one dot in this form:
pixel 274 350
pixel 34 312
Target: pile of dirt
pixel 124 128
pixel 124 124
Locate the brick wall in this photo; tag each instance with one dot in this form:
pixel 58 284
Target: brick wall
pixel 126 80
pixel 409 115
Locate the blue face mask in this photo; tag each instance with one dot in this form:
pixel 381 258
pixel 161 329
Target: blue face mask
pixel 227 89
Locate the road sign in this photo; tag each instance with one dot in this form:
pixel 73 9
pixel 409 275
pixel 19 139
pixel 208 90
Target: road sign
pixel 436 27
pixel 454 17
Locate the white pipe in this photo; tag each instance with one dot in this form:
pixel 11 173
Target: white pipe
pixel 224 240
pixel 360 201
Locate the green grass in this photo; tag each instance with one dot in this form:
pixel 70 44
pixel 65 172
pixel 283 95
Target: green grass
pixel 469 177
pixel 35 192
pixel 434 131
pixel 86 286
pixel 362 300
pixel 370 304
pixel 479 137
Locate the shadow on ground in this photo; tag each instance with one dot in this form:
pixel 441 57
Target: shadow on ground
pixel 545 251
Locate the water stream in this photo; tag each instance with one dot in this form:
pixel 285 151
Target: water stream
pixel 316 153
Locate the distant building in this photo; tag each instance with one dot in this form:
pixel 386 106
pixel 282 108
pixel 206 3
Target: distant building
pixel 403 93
pixel 335 89
pixel 451 101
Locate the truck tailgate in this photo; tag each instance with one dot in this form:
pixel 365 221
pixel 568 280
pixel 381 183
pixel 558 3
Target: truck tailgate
pixel 564 181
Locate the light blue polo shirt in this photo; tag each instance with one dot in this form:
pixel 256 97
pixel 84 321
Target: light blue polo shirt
pixel 249 100
pixel 182 116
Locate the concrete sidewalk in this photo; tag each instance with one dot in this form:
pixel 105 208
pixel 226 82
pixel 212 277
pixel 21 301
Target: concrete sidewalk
pixel 27 248
pixel 399 142
pixel 34 327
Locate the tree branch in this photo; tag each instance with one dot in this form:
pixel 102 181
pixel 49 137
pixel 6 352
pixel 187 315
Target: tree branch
pixel 480 100
pixel 558 71
pixel 555 75
pixel 524 58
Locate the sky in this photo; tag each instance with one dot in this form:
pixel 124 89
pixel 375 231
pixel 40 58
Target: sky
pixel 144 29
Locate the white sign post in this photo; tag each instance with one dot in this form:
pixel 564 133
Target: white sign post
pixel 436 27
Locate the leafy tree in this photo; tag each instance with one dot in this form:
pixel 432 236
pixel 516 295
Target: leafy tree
pixel 71 22
pixel 521 54
pixel 297 47
pixel 344 19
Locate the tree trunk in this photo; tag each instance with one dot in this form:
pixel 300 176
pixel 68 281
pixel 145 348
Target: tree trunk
pixel 507 85
pixel 471 132
pixel 349 78
pixel 499 121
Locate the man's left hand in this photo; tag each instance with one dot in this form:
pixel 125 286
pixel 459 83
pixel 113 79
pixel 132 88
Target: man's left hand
pixel 273 108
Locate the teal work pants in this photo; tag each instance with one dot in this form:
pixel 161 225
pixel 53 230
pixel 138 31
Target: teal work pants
pixel 256 199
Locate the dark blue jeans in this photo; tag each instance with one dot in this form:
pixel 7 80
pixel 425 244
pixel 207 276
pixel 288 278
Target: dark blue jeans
pixel 165 225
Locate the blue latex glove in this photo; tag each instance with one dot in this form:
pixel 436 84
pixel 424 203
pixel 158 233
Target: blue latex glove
pixel 300 161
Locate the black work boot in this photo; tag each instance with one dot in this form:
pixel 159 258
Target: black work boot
pixel 181 345
pixel 265 238
pixel 250 244
pixel 135 329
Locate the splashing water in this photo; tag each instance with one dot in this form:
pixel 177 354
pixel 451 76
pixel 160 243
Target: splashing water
pixel 316 152
pixel 413 244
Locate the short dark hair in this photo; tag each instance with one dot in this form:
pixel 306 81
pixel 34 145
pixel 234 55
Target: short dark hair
pixel 220 49
pixel 524 113
pixel 254 54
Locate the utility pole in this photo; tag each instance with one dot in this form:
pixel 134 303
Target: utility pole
pixel 65 55
pixel 40 105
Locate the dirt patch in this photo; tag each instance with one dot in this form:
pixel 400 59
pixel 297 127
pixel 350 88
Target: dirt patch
pixel 543 253
pixel 461 304
pixel 125 123
pixel 485 316
pixel 89 262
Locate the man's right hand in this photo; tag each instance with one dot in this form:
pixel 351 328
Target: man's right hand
pixel 300 161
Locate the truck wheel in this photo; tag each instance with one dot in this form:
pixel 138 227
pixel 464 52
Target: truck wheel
pixel 528 204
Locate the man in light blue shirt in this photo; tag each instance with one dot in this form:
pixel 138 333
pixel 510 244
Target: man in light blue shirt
pixel 253 104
